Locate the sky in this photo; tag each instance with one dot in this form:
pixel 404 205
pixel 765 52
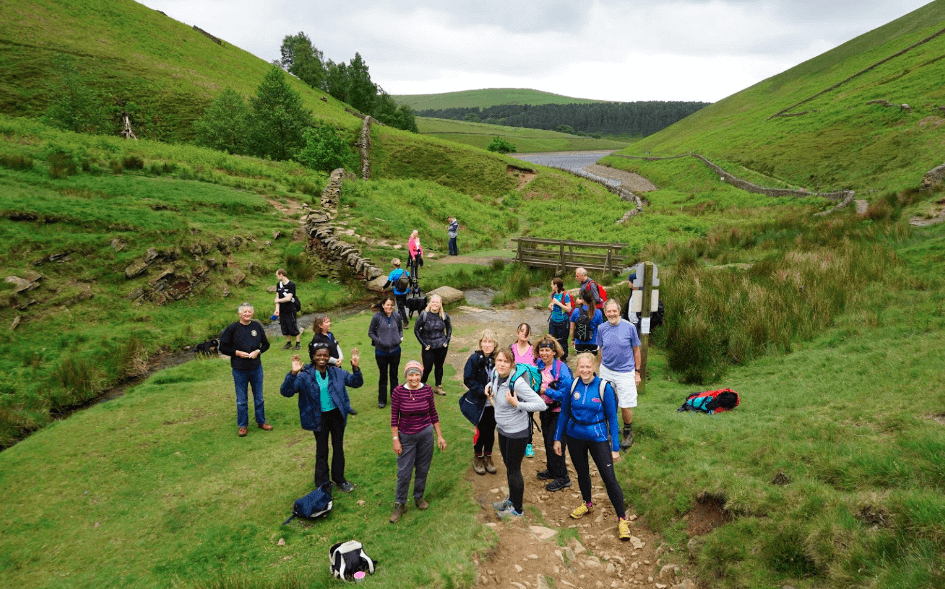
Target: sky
pixel 618 50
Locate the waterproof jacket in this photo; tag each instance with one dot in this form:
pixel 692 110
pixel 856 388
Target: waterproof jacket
pixel 585 416
pixel 385 332
pixel 475 377
pixel 305 384
pixel 433 331
pixel 560 386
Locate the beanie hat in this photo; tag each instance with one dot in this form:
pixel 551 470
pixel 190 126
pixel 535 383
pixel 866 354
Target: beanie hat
pixel 413 366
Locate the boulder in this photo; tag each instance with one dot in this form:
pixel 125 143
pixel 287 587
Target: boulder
pixel 448 294
pixel 377 284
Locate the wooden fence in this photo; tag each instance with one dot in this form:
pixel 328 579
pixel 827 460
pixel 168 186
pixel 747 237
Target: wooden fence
pixel 565 255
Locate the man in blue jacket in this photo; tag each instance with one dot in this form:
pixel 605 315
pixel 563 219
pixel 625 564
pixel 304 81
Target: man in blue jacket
pixel 324 407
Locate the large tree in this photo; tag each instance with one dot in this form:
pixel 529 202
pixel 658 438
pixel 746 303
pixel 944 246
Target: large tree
pixel 362 92
pixel 336 81
pixel 278 118
pixel 224 126
pixel 303 60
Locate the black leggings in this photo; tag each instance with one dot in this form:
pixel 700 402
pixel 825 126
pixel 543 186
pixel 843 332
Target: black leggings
pixel 486 436
pixel 433 360
pixel 556 464
pixel 513 451
pixel 386 365
pixel 600 452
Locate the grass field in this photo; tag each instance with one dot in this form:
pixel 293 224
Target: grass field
pixel 485 98
pixel 525 140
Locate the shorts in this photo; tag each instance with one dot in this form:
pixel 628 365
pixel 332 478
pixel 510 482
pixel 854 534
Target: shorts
pixel 288 323
pixel 625 386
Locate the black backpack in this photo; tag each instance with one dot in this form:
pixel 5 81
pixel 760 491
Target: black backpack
pixel 348 558
pixel 314 505
pixel 298 303
pixel 582 327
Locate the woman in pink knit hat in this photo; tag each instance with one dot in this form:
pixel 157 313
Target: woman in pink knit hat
pixel 413 420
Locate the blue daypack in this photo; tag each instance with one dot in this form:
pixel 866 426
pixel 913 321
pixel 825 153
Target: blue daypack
pixel 314 505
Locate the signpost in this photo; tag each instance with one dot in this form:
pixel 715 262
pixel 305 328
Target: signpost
pixel 644 300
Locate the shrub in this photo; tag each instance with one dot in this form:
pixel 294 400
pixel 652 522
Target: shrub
pixel 61 163
pixel 325 150
pixel 500 145
pixel 133 162
pixel 17 162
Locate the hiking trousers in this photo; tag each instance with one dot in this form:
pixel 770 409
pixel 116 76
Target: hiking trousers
pixel 600 452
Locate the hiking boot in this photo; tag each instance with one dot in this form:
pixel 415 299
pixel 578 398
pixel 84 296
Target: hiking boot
pixel 420 503
pixel 346 486
pixel 487 462
pixel 627 440
pixel 623 529
pixel 298 346
pixel 287 346
pixel 264 426
pixel 399 509
pixel 381 405
pixel 502 505
pixel 242 432
pixel 581 511
pixel 529 452
pixel 439 390
pixel 479 465
pixel 545 475
pixel 351 411
pixel 558 484
pixel 510 513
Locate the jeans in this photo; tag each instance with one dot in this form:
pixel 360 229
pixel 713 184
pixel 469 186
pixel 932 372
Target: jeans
pixel 417 453
pixel 513 451
pixel 560 331
pixel 243 378
pixel 433 360
pixel 485 432
pixel 556 464
pixel 333 427
pixel 386 366
pixel 600 452
pixel 452 245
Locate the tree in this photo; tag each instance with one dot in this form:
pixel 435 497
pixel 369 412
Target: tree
pixel 325 150
pixel 500 145
pixel 399 117
pixel 304 61
pixel 225 124
pixel 362 92
pixel 336 80
pixel 278 118
pixel 74 107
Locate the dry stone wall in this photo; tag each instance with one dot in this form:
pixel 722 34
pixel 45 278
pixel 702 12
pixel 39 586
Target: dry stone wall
pixel 319 227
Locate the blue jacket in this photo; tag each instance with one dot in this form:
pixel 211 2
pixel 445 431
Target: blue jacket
pixel 561 386
pixel 588 417
pixel 310 407
pixel 475 377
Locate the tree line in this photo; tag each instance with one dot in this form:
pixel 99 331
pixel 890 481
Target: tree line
pixel 595 119
pixel 350 83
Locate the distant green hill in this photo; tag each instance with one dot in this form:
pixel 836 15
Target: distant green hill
pixel 525 140
pixel 485 98
pixel 842 138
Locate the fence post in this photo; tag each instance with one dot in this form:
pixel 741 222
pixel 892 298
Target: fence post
pixel 645 314
pixel 561 258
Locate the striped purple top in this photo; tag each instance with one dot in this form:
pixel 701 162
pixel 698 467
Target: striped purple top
pixel 412 410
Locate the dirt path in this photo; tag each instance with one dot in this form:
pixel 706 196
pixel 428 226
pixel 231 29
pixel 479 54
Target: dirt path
pixel 628 180
pixel 530 553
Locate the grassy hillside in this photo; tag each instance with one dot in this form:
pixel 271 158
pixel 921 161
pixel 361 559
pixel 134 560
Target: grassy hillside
pixel 485 98
pixel 525 140
pixel 841 141
pixel 131 55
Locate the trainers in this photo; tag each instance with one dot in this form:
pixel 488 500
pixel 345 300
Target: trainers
pixel 346 486
pixel 265 426
pixel 287 346
pixel 581 511
pixel 627 440
pixel 502 505
pixel 529 453
pixel 421 503
pixel 510 513
pixel 558 484
pixel 242 432
pixel 478 465
pixel 623 529
pixel 490 467
pixel 439 390
pixel 298 346
pixel 381 405
pixel 545 475
pixel 399 509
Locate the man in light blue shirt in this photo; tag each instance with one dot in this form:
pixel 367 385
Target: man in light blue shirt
pixel 619 347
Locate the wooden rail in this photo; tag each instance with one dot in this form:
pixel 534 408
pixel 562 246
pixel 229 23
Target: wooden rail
pixel 564 255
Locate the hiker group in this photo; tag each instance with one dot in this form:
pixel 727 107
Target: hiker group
pixel 578 411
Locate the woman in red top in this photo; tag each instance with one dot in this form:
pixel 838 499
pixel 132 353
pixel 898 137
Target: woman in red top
pixel 412 422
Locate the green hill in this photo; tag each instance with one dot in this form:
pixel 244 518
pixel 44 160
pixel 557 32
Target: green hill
pixel 525 140
pixel 842 138
pixel 485 98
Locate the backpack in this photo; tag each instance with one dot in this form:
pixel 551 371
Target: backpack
pixel 530 373
pixel 298 303
pixel 347 558
pixel 582 327
pixel 600 291
pixel 312 506
pixel 403 282
pixel 711 401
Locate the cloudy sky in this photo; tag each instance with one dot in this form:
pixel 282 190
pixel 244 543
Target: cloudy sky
pixel 618 50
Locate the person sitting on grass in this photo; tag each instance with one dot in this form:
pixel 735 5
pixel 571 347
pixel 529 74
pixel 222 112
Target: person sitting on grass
pixel 587 414
pixel 324 407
